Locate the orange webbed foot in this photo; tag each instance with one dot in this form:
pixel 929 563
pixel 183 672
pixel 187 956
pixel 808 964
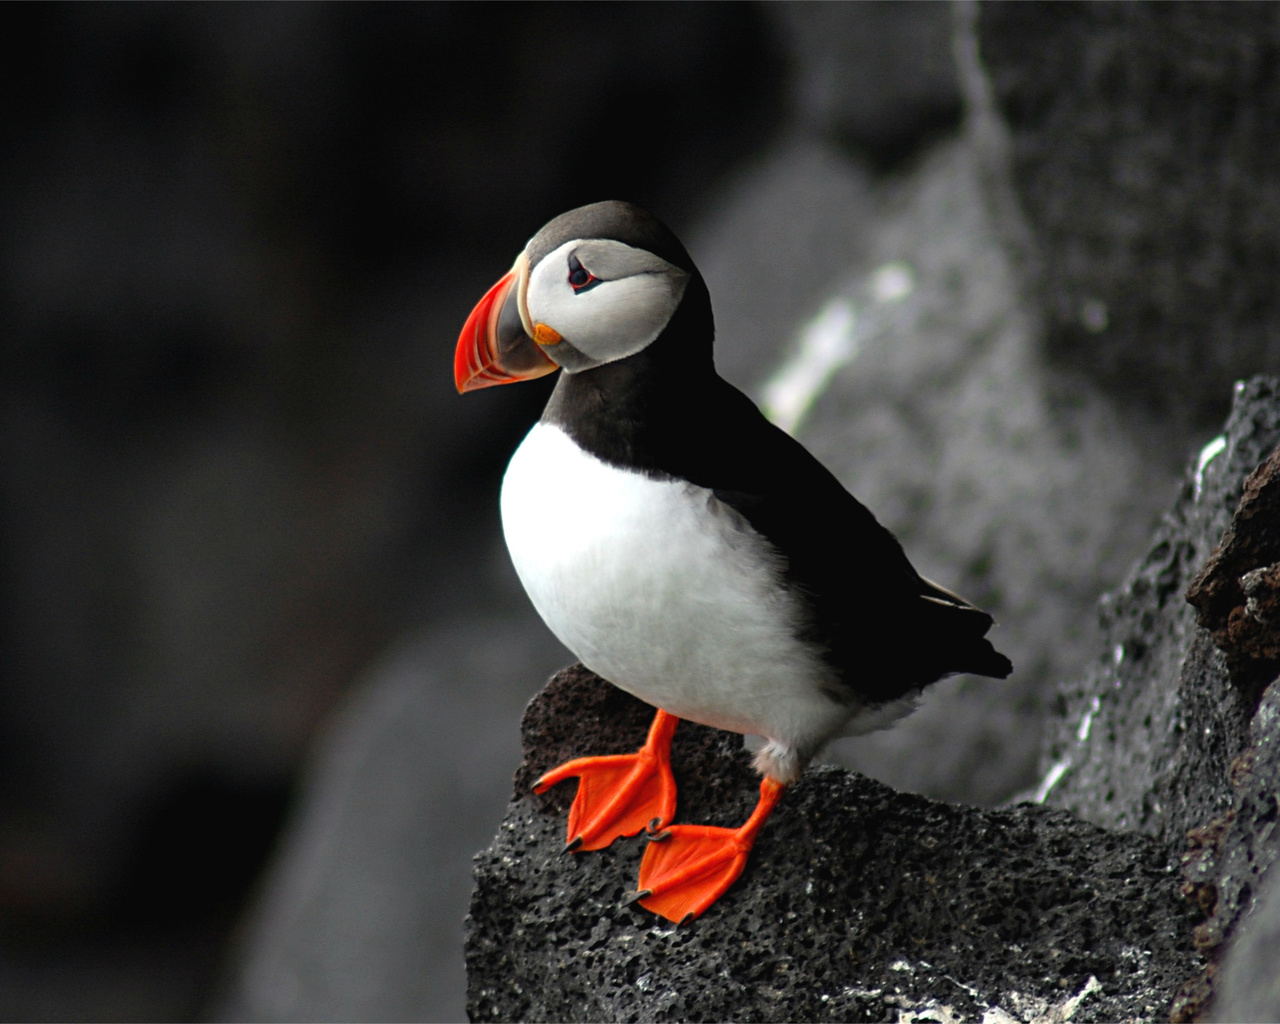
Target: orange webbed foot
pixel 689 867
pixel 620 794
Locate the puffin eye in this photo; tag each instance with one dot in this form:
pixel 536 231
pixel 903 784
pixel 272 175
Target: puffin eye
pixel 580 278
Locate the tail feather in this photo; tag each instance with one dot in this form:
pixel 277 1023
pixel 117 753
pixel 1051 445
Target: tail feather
pixel 984 660
pixel 962 629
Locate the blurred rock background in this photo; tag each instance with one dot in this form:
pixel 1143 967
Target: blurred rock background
pixel 238 243
pixel 263 656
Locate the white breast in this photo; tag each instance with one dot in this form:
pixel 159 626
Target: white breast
pixel 663 590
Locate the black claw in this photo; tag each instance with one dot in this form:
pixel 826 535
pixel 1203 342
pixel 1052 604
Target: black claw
pixel 573 844
pixel 686 919
pixel 637 896
pixel 651 830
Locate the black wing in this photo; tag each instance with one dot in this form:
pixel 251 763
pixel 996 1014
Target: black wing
pixel 886 628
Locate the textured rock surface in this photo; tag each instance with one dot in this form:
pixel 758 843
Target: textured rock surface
pixel 1249 985
pixel 859 903
pixel 1235 594
pixel 1162 736
pixel 1142 162
pixel 1148 734
pixel 875 79
pixel 1231 857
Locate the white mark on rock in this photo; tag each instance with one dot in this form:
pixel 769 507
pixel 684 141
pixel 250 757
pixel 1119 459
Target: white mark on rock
pixel 1118 654
pixel 1034 1010
pixel 1086 720
pixel 1051 779
pixel 1207 454
pixel 933 1012
pixel 1065 1011
pixel 826 344
pixel 892 282
pixel 960 984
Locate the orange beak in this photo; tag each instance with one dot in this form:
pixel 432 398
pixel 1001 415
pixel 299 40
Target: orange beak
pixel 494 347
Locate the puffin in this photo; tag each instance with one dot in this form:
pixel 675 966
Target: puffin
pixel 686 549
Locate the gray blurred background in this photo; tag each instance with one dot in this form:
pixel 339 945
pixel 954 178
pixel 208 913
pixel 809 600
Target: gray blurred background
pixel 263 656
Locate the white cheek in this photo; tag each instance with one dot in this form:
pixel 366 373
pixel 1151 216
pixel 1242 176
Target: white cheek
pixel 611 321
pixel 619 318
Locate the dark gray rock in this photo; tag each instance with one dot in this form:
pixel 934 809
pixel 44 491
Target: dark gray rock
pixel 858 903
pixel 875 78
pixel 362 909
pixel 1163 735
pixel 1237 593
pixel 815 207
pixel 1143 156
pixel 1249 985
pixel 1148 734
pixel 1231 856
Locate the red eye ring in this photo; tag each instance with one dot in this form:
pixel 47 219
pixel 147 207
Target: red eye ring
pixel 580 278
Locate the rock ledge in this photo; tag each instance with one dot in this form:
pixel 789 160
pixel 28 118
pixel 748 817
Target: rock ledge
pixel 859 901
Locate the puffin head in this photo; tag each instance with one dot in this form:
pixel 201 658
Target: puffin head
pixel 595 285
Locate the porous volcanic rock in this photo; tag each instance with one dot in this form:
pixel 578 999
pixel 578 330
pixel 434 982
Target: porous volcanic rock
pixel 1227 868
pixel 1176 730
pixel 1235 594
pixel 859 902
pixel 1249 986
pixel 1147 736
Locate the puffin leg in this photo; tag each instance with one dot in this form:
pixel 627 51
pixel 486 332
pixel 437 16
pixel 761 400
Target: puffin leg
pixel 691 866
pixel 621 794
